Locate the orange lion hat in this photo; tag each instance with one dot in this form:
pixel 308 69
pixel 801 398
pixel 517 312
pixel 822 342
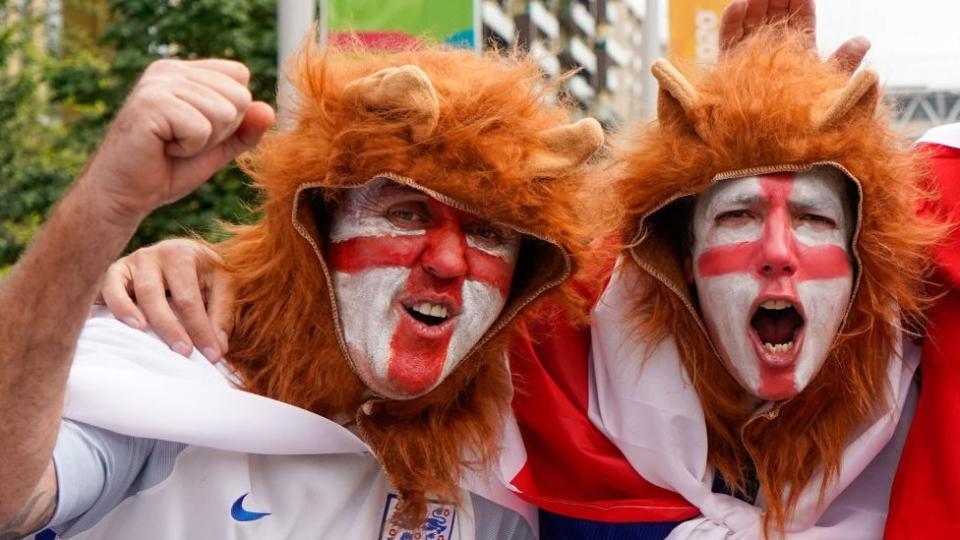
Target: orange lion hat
pixel 473 131
pixel 772 106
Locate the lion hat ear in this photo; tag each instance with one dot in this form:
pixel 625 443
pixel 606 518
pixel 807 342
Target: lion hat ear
pixel 677 97
pixel 566 147
pixel 861 93
pixel 399 92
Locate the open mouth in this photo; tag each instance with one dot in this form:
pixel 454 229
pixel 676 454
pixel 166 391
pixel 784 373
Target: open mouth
pixel 429 313
pixel 777 325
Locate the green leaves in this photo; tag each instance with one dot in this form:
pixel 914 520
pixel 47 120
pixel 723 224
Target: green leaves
pixel 55 108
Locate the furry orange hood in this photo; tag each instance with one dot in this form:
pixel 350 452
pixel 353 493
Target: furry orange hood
pixel 772 106
pixel 472 131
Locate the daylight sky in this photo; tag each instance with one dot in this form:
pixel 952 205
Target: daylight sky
pixel 915 42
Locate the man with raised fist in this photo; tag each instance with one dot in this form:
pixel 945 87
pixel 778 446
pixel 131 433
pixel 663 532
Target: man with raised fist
pixel 419 208
pixel 181 123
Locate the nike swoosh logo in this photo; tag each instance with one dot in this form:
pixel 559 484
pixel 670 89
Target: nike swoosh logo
pixel 238 513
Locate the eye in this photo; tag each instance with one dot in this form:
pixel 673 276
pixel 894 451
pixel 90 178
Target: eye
pixel 734 216
pixel 409 215
pixel 818 220
pixel 490 235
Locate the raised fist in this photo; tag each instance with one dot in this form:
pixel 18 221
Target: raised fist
pixel 182 122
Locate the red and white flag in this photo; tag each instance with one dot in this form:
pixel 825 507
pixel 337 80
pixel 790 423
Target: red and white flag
pixel 926 493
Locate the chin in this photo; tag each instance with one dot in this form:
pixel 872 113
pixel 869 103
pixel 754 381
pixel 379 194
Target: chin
pixel 775 394
pixel 387 389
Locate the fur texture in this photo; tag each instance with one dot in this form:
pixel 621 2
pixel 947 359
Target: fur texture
pixel 287 345
pixel 755 109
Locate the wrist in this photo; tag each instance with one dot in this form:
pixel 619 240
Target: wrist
pixel 105 206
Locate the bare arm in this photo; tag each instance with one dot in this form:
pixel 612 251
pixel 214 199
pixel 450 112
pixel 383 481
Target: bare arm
pixel 46 299
pixel 182 122
pixel 36 511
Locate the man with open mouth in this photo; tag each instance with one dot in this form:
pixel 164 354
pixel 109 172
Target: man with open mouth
pixel 773 271
pixel 418 282
pixel 419 207
pixel 754 351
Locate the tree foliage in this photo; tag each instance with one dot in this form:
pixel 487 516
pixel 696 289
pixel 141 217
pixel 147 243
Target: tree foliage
pixel 36 156
pixel 55 109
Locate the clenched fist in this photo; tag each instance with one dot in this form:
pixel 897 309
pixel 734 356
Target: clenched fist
pixel 182 122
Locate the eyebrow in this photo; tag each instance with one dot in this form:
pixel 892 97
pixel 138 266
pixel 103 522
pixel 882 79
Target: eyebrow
pixel 816 203
pixel 807 204
pixel 739 200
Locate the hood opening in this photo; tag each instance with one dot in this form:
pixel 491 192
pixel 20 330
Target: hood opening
pixel 663 240
pixel 541 264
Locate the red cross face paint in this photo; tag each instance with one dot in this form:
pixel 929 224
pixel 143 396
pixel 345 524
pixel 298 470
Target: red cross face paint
pixel 773 273
pixel 417 284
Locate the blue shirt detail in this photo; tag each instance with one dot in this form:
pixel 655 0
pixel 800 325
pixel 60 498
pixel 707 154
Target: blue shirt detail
pixel 557 527
pixel 238 513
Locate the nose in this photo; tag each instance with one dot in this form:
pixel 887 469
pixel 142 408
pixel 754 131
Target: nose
pixel 446 253
pixel 779 251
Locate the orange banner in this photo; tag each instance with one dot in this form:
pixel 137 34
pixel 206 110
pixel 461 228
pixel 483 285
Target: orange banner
pixel 695 30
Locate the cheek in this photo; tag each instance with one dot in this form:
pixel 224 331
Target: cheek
pixel 363 253
pixel 725 305
pixel 482 307
pixel 367 317
pixel 825 302
pixel 725 295
pixel 491 270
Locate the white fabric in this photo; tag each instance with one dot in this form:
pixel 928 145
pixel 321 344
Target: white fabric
pixel 164 396
pixel 650 410
pixel 319 496
pixel 947 135
pixel 127 381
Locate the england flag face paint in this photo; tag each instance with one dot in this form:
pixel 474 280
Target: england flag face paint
pixel 772 266
pixel 417 283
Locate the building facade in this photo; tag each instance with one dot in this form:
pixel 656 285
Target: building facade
pixel 919 109
pixel 600 39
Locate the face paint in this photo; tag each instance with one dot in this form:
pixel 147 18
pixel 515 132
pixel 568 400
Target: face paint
pixel 417 283
pixel 771 263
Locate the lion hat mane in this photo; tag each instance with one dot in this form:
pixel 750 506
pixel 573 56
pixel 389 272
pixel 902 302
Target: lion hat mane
pixel 772 106
pixel 471 130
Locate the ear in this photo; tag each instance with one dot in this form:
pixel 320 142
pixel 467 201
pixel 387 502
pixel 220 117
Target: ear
pixel 677 96
pixel 566 147
pixel 404 92
pixel 861 93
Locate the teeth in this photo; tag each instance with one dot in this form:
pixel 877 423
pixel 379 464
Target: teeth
pixel 776 304
pixel 778 348
pixel 432 310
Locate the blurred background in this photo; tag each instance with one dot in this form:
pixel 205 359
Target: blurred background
pixel 66 65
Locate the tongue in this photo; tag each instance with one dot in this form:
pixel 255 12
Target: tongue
pixel 776 330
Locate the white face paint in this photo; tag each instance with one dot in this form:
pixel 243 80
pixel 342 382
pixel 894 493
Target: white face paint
pixel 772 267
pixel 417 282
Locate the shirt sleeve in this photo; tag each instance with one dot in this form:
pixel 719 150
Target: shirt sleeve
pixel 494 522
pixel 96 469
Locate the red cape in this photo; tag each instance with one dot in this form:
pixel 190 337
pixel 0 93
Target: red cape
pixel 572 469
pixel 926 492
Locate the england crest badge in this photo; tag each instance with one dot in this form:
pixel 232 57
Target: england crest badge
pixel 438 524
